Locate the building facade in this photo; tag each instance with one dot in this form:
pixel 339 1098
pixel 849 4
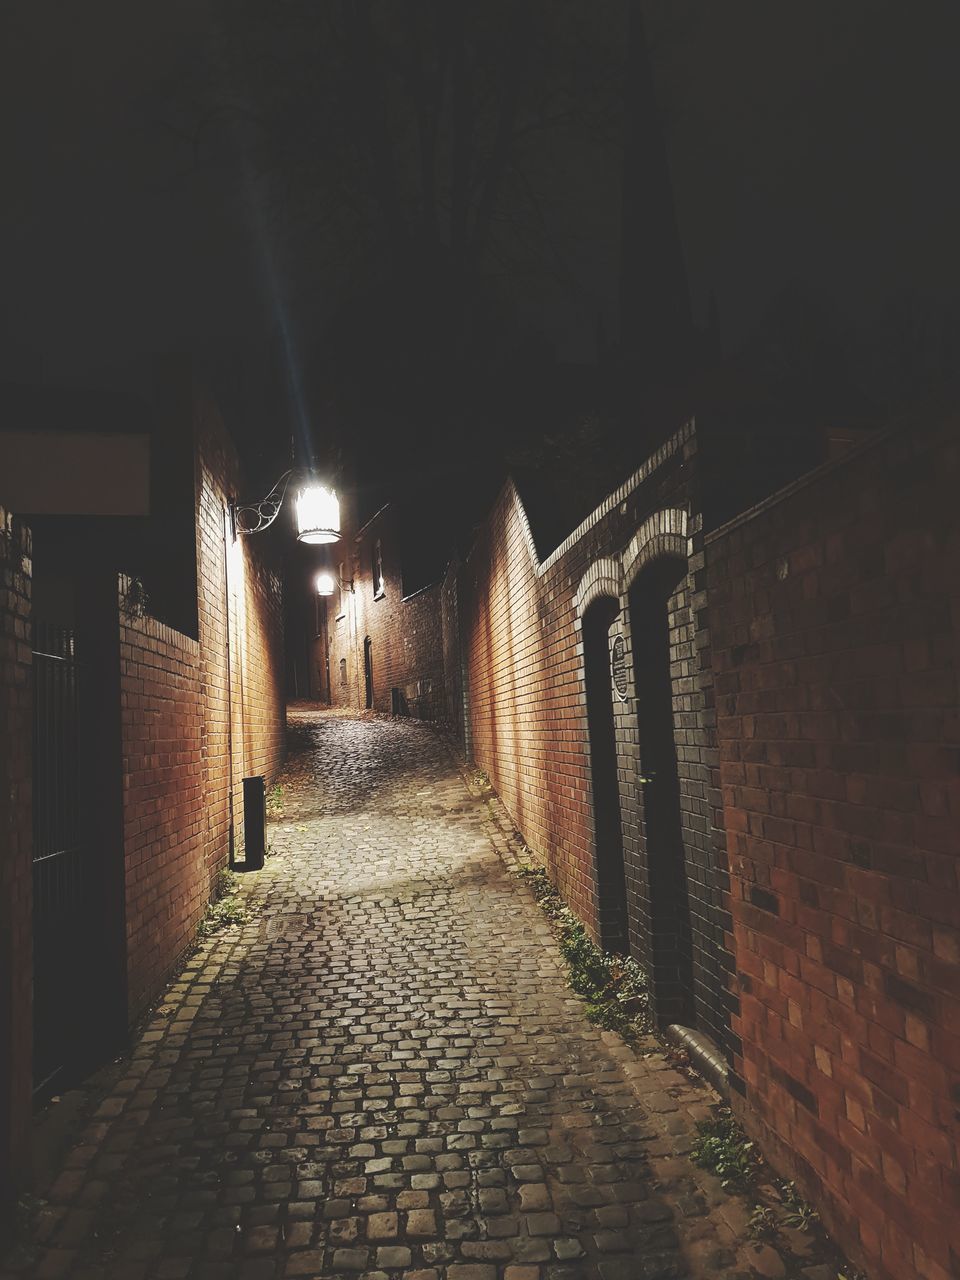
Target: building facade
pixel 384 650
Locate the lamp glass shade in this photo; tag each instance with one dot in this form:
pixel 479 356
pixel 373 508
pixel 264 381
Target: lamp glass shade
pixel 318 515
pixel 325 584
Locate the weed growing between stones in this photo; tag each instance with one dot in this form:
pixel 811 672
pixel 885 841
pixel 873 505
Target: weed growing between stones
pixel 775 1204
pixel 614 987
pixel 723 1148
pixel 225 908
pixel 796 1212
pixel 480 782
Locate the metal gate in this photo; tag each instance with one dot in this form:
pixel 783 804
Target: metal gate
pixel 59 853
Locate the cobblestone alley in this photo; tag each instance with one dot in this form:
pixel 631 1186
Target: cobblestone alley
pixel 384 1072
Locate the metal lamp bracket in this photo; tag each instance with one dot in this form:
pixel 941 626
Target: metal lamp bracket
pixel 254 517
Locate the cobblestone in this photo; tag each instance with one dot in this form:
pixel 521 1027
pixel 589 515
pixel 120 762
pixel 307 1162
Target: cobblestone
pixel 383 1073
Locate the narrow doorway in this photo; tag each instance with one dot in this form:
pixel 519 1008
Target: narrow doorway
pixel 651 600
pixel 368 671
pixel 608 833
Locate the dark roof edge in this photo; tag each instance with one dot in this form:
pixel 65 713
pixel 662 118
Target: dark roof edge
pixel 809 477
pixel 376 516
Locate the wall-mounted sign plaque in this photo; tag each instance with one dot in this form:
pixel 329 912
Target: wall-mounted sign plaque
pixel 618 664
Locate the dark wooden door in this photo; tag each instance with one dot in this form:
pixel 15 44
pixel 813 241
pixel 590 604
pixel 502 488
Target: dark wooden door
pixel 368 670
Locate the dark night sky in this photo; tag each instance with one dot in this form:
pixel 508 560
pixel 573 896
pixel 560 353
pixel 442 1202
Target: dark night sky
pixel 811 142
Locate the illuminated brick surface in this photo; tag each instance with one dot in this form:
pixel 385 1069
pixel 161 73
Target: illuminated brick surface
pixel 834 613
pixel 198 715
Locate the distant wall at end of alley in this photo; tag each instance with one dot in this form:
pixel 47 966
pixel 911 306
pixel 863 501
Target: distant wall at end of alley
pixel 386 649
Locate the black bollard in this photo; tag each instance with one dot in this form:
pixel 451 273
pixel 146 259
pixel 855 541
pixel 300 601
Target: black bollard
pixel 254 823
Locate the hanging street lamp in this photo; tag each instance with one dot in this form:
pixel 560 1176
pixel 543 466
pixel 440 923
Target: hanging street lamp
pixel 317 506
pixel 318 515
pixel 326 583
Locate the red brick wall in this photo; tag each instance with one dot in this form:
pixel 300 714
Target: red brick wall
pixel 407 650
pixel 217 554
pixel 454 693
pixel 164 815
pixel 239 582
pixel 262 675
pixel 527 716
pixel 16 963
pixel 346 676
pixel 198 716
pixel 406 633
pixel 527 725
pixel 833 613
pixel 344 688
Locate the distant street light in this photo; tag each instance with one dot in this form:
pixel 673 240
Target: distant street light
pixel 326 583
pixel 318 511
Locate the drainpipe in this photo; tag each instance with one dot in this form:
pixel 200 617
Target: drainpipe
pixel 704 1055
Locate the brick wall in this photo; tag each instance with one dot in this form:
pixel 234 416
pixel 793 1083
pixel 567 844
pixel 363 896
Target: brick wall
pixel 198 716
pixel 454 692
pixel 261 676
pixel 241 641
pixel 834 613
pixel 16 963
pixel 346 671
pixel 345 683
pixel 405 632
pixel 521 634
pixel 167 883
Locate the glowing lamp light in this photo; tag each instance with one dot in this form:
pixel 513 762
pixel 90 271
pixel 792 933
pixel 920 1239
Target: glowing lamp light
pixel 318 515
pixel 325 584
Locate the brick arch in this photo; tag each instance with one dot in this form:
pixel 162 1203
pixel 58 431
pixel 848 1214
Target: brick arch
pixel 603 578
pixel 662 534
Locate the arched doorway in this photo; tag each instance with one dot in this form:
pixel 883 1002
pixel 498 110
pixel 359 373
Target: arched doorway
pixel 368 671
pixel 654 601
pixel 598 619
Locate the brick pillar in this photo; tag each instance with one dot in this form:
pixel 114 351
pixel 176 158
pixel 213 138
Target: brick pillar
pixel 16 835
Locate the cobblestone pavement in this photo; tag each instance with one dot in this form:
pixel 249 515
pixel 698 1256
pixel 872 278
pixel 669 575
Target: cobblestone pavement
pixel 384 1073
